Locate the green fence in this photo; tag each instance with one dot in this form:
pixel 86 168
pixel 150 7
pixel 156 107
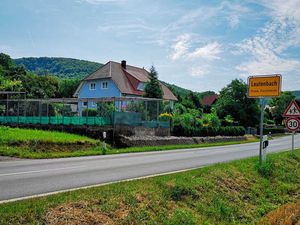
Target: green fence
pixel 131 119
pixel 56 120
pixel 135 119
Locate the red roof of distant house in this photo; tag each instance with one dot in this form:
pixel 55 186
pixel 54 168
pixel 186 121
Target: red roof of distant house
pixel 209 99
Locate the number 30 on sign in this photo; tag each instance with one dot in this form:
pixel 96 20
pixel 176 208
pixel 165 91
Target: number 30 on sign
pixel 292 124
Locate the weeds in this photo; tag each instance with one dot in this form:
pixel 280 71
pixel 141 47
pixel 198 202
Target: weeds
pixel 265 169
pixel 230 193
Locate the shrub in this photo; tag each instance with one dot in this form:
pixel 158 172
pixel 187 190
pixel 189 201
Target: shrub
pixel 89 112
pixel 278 130
pixel 265 169
pixel 165 117
pixel 190 131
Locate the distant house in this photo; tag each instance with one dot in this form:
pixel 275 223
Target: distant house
pixel 209 100
pixel 116 80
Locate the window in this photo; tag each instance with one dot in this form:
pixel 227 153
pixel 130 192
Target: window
pixel 92 86
pixel 94 104
pixel 104 85
pixel 141 86
pixel 84 104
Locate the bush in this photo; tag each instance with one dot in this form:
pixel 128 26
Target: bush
pixel 265 169
pixel 189 131
pixel 165 117
pixel 278 130
pixel 89 112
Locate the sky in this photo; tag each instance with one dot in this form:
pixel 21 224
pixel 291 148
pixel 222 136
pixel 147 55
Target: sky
pixel 199 45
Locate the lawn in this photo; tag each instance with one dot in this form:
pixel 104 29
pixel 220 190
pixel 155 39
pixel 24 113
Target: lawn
pixel 38 144
pixel 20 135
pixel 237 192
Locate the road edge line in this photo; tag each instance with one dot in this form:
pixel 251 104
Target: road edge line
pixel 97 185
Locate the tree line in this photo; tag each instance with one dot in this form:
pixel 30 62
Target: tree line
pixel 16 78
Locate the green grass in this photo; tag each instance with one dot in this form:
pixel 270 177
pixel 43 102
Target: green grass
pixel 174 147
pixel 28 152
pixel 38 144
pixel 13 135
pixel 237 192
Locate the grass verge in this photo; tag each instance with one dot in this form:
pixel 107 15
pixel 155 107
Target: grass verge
pixel 39 144
pixel 15 136
pixel 229 193
pixel 31 153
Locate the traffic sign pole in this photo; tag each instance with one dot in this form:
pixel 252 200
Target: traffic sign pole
pixel 293 139
pixel 262 87
pixel 262 109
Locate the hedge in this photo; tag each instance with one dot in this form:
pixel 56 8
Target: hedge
pixel 278 130
pixel 179 130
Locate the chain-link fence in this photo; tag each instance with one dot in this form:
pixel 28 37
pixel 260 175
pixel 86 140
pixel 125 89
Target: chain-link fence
pixel 133 111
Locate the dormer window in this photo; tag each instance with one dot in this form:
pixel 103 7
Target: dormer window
pixel 92 86
pixel 141 86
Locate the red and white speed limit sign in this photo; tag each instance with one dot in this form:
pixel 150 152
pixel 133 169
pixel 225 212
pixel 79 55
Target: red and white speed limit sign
pixel 292 124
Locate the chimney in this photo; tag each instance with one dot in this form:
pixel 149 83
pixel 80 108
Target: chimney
pixel 123 63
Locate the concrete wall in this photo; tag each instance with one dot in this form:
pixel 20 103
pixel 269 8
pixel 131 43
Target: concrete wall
pixel 134 141
pixel 140 131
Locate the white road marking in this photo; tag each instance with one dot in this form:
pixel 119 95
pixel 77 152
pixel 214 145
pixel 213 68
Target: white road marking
pixel 39 171
pixel 98 185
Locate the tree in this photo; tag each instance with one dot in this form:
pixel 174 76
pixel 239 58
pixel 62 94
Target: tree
pixel 233 101
pixel 67 87
pixel 279 104
pixel 152 89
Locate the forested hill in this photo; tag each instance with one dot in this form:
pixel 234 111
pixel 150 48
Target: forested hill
pixel 179 91
pixel 296 93
pixel 61 67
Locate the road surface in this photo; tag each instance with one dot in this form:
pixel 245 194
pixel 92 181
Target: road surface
pixel 26 178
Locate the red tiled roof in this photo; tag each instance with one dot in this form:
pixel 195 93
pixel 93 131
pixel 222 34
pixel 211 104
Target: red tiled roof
pixel 121 78
pixel 209 99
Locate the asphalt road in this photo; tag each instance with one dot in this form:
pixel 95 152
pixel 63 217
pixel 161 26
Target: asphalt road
pixel 23 178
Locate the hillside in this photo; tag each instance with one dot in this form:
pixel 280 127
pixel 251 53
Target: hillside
pixel 179 91
pixel 76 68
pixel 61 67
pixel 296 93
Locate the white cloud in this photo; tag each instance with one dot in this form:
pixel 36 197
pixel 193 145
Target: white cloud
pixel 5 48
pixel 268 49
pixel 184 49
pixel 233 20
pixel 210 51
pixel 97 2
pixel 198 72
pixel 180 47
pixel 125 28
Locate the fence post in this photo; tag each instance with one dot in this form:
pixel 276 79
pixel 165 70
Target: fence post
pixel 6 104
pixel 49 119
pixel 157 112
pixel 40 113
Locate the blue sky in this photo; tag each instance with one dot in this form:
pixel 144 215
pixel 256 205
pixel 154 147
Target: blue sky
pixel 200 45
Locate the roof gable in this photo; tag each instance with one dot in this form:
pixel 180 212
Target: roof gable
pixel 209 99
pixel 119 75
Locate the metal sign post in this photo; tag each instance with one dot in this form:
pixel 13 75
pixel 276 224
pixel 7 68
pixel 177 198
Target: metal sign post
pixel 293 141
pixel 292 124
pixel 265 145
pixel 262 87
pixel 261 128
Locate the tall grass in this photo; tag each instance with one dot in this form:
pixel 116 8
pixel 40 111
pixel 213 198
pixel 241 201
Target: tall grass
pixel 227 193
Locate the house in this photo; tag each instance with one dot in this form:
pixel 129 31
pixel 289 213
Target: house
pixel 116 80
pixel 208 101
